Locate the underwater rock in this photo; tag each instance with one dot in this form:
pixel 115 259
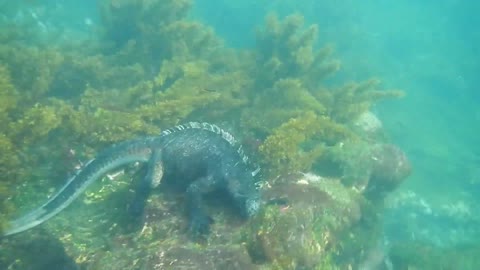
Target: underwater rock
pixel 368 124
pixel 176 256
pixel 160 242
pixel 37 250
pixel 299 227
pixel 374 169
pixel 389 168
pixel 217 257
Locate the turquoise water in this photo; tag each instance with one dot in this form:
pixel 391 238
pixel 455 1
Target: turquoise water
pixel 429 49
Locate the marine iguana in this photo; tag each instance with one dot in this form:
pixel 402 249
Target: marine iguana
pixel 195 157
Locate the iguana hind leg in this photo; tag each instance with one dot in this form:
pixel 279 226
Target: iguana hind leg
pixel 151 179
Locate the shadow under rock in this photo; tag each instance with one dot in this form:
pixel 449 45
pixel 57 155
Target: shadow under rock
pixel 34 250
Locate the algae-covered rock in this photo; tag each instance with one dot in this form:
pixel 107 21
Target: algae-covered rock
pixel 36 250
pixel 98 232
pixel 175 256
pixel 368 125
pixel 299 227
pixel 373 168
pixel 390 167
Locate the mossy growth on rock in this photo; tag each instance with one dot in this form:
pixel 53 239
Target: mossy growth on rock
pixel 375 169
pixel 301 225
pixel 34 251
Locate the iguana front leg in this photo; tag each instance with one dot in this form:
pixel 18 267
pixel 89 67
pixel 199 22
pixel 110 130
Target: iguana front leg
pixel 199 221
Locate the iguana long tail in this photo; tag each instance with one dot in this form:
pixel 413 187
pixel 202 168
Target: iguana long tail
pixel 110 159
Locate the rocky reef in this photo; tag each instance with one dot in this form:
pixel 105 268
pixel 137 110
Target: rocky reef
pixel 326 164
pixel 303 225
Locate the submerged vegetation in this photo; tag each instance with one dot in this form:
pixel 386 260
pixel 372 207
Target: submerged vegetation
pixel 150 67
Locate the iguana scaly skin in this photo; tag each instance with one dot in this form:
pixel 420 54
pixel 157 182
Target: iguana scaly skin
pixel 196 157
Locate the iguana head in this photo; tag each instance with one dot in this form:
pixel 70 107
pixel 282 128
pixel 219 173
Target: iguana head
pixel 241 185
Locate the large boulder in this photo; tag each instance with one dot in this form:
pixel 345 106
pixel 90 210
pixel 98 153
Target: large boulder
pixel 300 226
pixel 390 167
pixel 34 250
pixel 374 169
